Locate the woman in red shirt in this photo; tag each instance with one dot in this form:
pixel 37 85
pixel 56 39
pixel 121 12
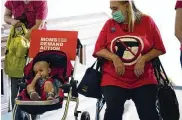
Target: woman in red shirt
pixel 178 24
pixel 129 41
pixel 30 12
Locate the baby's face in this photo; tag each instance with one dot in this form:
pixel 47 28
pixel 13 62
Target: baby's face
pixel 42 68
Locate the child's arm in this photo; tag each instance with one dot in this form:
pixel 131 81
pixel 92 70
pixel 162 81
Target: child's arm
pixel 34 81
pixel 31 88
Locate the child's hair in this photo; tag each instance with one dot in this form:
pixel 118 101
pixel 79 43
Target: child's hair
pixel 43 62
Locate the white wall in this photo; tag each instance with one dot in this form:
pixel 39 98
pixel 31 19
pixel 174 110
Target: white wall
pixel 64 8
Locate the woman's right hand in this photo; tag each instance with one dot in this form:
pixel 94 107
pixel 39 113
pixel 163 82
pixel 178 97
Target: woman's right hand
pixel 118 64
pixel 16 23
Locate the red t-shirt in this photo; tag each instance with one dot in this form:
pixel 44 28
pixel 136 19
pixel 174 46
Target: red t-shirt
pixel 178 5
pixel 34 10
pixel 114 38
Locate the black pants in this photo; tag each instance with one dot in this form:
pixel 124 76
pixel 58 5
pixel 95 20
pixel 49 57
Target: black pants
pixel 144 98
pixel 14 90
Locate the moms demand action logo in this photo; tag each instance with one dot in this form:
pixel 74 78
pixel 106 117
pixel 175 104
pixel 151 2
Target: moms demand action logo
pixel 51 43
pixel 43 40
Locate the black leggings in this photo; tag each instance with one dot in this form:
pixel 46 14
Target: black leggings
pixel 14 90
pixel 144 98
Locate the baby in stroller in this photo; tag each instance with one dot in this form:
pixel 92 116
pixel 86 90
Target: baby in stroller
pixel 48 72
pixel 42 83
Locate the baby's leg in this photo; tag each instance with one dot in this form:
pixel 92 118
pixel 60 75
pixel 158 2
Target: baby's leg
pixel 32 93
pixel 49 89
pixel 29 89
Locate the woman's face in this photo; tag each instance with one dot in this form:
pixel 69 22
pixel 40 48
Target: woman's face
pixel 118 5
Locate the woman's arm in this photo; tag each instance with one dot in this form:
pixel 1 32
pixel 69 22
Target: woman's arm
pixel 156 50
pixel 178 24
pixel 151 55
pixel 139 67
pixel 38 25
pixel 118 64
pixel 8 18
pixel 106 54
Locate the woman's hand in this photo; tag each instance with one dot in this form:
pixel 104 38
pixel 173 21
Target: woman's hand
pixel 16 23
pixel 118 64
pixel 27 36
pixel 139 67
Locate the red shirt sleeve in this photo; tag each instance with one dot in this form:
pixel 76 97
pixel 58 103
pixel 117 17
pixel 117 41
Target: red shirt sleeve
pixel 102 39
pixel 42 11
pixel 178 4
pixel 156 37
pixel 8 5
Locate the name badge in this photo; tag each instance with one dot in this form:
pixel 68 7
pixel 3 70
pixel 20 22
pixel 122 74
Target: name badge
pixel 113 29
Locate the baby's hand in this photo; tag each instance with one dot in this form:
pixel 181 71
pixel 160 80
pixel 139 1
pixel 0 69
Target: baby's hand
pixel 37 76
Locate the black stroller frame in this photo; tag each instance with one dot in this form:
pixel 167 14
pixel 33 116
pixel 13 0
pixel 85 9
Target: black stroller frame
pixel 69 88
pixel 99 105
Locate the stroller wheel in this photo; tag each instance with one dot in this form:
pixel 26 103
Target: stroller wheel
pixel 85 116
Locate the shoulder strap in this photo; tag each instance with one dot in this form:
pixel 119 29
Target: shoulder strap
pixel 12 30
pixel 160 72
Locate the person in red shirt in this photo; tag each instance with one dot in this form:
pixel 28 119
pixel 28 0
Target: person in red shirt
pixel 128 42
pixel 178 24
pixel 33 14
pixel 30 12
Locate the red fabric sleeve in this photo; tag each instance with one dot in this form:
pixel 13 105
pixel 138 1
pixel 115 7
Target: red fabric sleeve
pixel 156 37
pixel 42 11
pixel 8 5
pixel 178 4
pixel 49 79
pixel 102 39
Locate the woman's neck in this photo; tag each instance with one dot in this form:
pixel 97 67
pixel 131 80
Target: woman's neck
pixel 26 1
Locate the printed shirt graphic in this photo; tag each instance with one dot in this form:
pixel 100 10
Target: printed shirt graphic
pixel 129 47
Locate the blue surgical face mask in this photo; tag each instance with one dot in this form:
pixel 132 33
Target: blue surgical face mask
pixel 118 16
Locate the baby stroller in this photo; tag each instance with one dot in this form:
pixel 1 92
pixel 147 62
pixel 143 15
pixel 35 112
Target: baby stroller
pixel 61 69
